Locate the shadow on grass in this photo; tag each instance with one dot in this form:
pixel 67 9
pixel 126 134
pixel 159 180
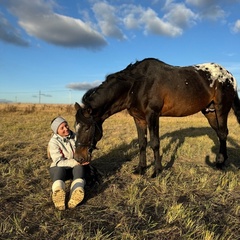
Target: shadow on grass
pixel 179 137
pixel 112 162
pixel 109 164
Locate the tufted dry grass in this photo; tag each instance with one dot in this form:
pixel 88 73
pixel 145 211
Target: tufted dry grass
pixel 189 200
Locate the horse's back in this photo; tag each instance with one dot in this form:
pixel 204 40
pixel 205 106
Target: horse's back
pixel 178 91
pixel 208 72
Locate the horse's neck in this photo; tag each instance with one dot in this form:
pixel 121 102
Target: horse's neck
pixel 114 104
pixel 114 109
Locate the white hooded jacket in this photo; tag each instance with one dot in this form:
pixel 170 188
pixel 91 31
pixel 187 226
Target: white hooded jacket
pixel 61 150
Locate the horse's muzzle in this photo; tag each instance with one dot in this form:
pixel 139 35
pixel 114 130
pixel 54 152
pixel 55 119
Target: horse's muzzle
pixel 83 159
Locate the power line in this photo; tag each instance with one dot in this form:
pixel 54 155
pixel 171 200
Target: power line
pixel 31 92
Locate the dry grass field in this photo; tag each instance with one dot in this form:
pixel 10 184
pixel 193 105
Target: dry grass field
pixel 191 199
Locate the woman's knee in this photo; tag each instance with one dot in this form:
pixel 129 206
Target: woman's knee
pixel 78 172
pixel 58 173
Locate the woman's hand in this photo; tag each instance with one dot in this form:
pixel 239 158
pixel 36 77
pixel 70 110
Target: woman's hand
pixel 85 163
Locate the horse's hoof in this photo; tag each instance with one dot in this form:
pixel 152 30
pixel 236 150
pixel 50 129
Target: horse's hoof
pixel 220 161
pixel 156 173
pixel 139 171
pixel 220 166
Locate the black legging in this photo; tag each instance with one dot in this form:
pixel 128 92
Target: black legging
pixel 66 173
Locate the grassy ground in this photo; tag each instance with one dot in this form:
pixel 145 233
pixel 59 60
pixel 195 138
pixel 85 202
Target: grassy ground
pixel 189 200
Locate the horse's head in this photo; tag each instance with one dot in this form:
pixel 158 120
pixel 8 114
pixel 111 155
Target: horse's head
pixel 88 133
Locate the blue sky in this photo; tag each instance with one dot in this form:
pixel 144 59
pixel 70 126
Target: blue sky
pixel 52 51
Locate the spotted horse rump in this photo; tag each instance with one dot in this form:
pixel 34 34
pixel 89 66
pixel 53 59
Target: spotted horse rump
pixel 217 73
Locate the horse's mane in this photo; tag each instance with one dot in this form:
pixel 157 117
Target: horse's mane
pixel 87 96
pixel 134 65
pixel 126 74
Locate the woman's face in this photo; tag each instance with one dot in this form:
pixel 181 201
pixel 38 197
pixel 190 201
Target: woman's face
pixel 63 129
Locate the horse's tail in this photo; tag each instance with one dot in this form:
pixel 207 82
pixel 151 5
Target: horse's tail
pixel 236 107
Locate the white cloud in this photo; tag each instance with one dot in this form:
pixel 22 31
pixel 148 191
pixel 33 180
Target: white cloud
pixel 236 27
pixel 154 24
pixel 136 17
pixel 213 13
pixel 65 31
pixel 83 86
pixel 9 34
pixel 39 20
pixel 4 100
pixel 179 15
pixel 208 9
pixel 108 20
pixel 131 16
pixel 201 3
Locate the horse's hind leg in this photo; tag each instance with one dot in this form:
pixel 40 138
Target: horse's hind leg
pixel 218 121
pixel 142 141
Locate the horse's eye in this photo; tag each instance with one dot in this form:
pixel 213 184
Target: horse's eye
pixel 87 129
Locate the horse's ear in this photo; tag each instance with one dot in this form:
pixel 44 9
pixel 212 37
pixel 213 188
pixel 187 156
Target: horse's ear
pixel 83 114
pixel 77 106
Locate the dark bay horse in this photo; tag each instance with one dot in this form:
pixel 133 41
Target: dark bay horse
pixel 150 89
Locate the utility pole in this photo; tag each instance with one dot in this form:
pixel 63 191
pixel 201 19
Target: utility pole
pixel 39 96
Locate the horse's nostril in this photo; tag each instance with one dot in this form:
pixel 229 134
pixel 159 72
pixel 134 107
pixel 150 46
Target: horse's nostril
pixel 84 161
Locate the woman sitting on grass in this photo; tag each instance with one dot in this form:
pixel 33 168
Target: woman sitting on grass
pixel 64 167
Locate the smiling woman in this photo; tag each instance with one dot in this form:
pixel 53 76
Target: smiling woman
pixel 64 167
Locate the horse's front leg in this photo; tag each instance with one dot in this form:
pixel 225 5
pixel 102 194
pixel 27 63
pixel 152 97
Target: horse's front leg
pixel 142 141
pixel 155 143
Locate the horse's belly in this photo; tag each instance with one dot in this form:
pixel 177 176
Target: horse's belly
pixel 179 113
pixel 183 107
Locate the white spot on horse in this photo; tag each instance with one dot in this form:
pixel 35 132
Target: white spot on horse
pixel 217 73
pixel 77 127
